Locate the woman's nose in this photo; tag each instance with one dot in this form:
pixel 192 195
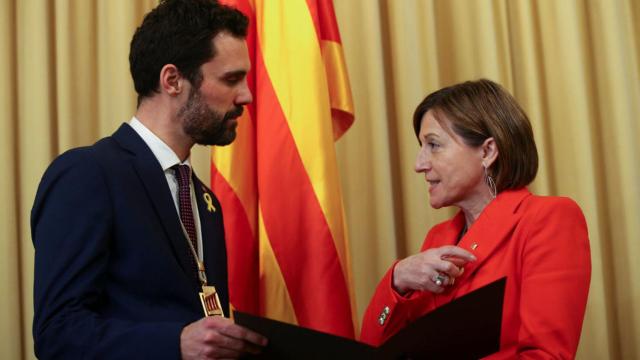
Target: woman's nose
pixel 422 163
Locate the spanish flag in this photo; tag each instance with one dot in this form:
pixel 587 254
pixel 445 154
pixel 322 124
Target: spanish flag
pixel 278 182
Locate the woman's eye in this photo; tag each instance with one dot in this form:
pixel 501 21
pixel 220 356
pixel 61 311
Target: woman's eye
pixel 433 145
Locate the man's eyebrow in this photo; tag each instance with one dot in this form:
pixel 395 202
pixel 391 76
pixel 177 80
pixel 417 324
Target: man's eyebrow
pixel 235 73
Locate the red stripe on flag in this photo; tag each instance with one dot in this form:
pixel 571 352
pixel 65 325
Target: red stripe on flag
pixel 296 226
pixel 324 20
pixel 243 254
pixel 245 7
pixel 242 248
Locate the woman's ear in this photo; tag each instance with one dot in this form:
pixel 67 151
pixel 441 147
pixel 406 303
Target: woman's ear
pixel 171 80
pixel 489 152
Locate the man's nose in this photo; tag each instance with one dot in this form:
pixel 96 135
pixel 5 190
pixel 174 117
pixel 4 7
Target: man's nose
pixel 244 96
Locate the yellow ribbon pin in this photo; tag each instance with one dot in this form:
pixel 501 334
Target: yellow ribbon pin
pixel 209 201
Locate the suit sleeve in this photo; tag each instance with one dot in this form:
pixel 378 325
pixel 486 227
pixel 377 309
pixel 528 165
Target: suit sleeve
pixel 555 282
pixel 72 224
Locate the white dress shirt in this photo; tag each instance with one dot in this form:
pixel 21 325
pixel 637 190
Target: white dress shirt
pixel 168 158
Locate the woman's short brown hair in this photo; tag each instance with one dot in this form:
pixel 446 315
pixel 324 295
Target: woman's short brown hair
pixel 478 110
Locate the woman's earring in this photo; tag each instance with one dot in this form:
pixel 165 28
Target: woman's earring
pixel 490 182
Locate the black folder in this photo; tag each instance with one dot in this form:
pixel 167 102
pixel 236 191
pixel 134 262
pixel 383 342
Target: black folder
pixel 466 328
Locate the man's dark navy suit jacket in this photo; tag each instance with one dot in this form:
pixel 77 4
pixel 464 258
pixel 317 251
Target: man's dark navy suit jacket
pixel 113 278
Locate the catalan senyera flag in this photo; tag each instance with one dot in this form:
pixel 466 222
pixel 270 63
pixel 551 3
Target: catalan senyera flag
pixel 278 182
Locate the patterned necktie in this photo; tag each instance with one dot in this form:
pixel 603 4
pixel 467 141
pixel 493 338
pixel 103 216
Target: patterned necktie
pixel 183 175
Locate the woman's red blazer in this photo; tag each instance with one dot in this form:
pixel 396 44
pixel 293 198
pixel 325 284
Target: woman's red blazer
pixel 540 244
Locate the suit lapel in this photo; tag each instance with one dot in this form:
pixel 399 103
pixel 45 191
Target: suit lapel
pixel 206 213
pixel 213 242
pixel 151 175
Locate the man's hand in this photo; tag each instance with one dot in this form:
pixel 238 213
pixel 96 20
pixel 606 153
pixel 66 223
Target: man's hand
pixel 218 338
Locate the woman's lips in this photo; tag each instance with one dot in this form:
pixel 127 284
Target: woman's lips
pixel 432 184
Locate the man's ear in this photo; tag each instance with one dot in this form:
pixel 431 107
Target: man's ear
pixel 171 81
pixel 489 152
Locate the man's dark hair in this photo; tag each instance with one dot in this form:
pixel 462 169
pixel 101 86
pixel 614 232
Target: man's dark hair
pixel 179 32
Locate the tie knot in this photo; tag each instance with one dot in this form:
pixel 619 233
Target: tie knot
pixel 183 172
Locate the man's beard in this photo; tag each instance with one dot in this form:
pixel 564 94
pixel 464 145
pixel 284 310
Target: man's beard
pixel 207 126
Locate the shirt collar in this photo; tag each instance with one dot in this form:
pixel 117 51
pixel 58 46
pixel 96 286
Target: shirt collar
pixel 166 157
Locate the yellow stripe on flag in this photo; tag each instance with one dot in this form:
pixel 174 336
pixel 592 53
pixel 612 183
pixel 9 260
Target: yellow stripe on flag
pixel 276 301
pixel 295 66
pixel 339 90
pixel 339 87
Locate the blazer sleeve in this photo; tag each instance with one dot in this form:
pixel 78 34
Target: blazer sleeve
pixel 555 281
pixel 389 312
pixel 71 225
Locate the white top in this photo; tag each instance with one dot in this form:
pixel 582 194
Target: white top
pixel 168 158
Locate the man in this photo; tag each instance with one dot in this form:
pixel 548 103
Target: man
pixel 125 234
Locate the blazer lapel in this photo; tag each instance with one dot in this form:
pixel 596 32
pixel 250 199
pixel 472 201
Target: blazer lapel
pixel 494 226
pixel 151 175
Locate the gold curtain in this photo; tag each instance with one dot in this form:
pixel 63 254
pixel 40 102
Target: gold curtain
pixel 573 65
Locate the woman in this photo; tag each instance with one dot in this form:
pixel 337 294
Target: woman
pixel 477 153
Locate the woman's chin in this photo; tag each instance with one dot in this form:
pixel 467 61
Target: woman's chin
pixel 436 204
